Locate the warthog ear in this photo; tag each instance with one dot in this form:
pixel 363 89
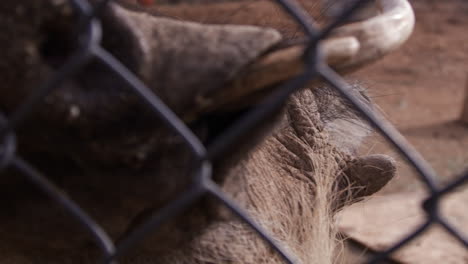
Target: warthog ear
pixel 369 174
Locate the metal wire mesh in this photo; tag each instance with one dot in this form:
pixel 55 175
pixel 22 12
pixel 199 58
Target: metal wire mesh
pixel 203 184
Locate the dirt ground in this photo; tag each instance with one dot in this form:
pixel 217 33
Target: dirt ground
pixel 421 89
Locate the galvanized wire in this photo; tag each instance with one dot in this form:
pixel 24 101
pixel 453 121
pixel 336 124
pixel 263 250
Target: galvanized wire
pixel 89 31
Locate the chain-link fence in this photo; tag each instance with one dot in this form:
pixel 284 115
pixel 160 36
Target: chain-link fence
pixel 91 49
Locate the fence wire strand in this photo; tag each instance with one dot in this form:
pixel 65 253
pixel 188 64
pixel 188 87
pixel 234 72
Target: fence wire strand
pixel 91 48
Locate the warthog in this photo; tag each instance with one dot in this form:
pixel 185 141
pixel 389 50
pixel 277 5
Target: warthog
pixel 97 139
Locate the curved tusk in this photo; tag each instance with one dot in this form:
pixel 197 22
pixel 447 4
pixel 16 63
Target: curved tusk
pixel 378 35
pixel 350 47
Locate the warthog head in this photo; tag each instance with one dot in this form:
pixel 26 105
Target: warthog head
pixel 291 173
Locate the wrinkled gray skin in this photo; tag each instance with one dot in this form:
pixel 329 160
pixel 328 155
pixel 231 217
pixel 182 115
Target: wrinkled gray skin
pixel 291 173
